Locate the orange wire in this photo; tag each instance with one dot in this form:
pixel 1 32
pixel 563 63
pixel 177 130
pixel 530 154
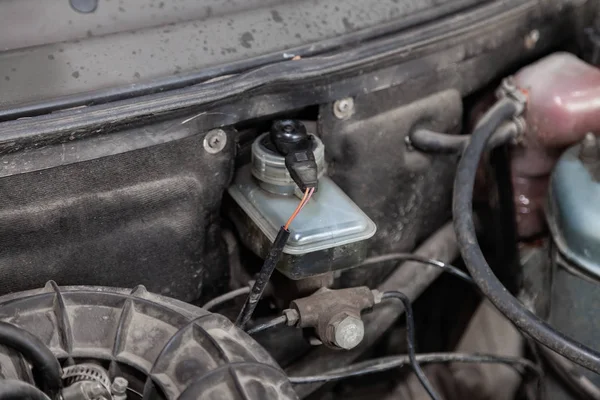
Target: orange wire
pixel 305 199
pixel 312 190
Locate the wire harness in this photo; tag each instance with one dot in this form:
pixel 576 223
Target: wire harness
pixel 269 265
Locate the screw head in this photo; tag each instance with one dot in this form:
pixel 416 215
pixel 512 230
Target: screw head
pixel 215 141
pixel 343 108
pixel 348 331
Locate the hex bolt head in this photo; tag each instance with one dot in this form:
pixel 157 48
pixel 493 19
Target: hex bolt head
pixel 119 385
pixel 292 316
pixel 215 141
pixel 343 108
pixel 346 331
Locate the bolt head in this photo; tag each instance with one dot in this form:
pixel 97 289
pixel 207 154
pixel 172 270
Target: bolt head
pixel 348 332
pixel 343 108
pixel 215 141
pixel 119 385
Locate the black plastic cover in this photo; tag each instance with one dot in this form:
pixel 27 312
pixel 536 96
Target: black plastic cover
pixel 149 216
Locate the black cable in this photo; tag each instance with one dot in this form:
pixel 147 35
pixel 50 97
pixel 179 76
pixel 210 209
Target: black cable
pixel 281 320
pixel 479 269
pixel 420 259
pixel 11 389
pixel 263 277
pixel 410 339
pixel 46 368
pixel 381 364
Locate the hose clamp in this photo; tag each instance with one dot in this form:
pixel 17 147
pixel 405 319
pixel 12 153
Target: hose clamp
pixel 509 90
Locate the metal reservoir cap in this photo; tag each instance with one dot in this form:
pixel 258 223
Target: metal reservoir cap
pixel 268 166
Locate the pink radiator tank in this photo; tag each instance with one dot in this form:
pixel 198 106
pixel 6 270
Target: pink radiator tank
pixel 563 105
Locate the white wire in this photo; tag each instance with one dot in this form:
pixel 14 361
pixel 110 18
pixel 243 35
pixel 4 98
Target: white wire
pixel 226 297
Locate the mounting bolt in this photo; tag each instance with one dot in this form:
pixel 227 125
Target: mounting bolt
pixel 345 331
pixel 119 385
pixel 343 108
pixel 215 141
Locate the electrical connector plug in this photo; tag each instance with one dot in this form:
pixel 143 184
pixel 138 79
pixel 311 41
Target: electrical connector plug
pixel 293 142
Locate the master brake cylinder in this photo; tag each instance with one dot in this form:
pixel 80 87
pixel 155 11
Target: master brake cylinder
pixel 332 230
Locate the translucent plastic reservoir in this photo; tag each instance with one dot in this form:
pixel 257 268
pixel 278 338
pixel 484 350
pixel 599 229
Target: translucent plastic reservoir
pixel 328 234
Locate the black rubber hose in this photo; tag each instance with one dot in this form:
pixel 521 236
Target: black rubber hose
pixel 437 142
pixel 475 262
pixel 443 143
pixel 46 368
pixel 11 389
pixel 263 278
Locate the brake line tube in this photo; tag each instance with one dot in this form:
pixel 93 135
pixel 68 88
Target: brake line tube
pixel 475 262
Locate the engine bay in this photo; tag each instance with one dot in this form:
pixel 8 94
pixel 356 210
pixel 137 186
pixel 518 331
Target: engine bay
pixel 404 210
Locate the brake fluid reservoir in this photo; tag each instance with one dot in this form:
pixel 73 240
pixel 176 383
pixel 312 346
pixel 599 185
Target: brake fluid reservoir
pixel 330 232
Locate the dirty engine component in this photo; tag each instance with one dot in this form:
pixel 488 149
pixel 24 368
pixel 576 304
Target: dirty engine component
pixel 308 199
pixel 159 347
